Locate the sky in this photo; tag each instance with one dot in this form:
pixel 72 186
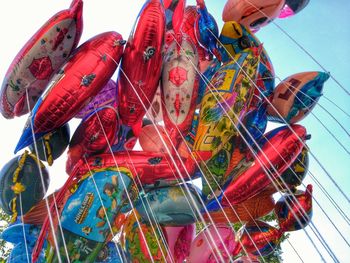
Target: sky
pixel 322 29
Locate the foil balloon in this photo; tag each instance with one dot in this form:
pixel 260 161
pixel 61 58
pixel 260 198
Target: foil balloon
pixel 106 97
pixel 23 237
pixel 111 253
pixel 170 206
pixel 179 87
pixel 94 135
pixel 294 211
pixel 253 14
pixel 81 78
pixel 224 104
pixel 21 184
pixel 89 212
pixel 188 28
pixel 179 240
pixel 151 141
pixel 258 238
pixel 235 38
pixel 206 29
pixel 142 63
pixel 296 96
pixel 142 242
pixel 42 55
pixel 210 71
pixel 51 146
pixel 253 208
pixel 174 12
pixel 292 7
pixel 247 259
pixel 279 149
pixel 155 112
pixel 149 167
pixel 254 125
pixel 297 171
pixel 215 243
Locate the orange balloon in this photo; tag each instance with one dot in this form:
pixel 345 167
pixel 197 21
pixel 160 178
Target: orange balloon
pixel 253 14
pixel 250 209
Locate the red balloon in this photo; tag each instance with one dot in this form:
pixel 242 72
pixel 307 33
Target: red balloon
pixel 282 146
pixel 150 140
pixel 179 241
pixel 142 64
pixel 188 28
pixel 42 55
pixel 150 167
pixel 180 82
pixel 258 238
pixel 93 135
pixel 294 212
pixel 80 79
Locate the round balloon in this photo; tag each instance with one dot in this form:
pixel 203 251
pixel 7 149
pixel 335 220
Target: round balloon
pixel 179 240
pixel 294 211
pixel 216 243
pixel 258 238
pixel 21 185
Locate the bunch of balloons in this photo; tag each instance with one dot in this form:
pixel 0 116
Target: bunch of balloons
pixel 197 100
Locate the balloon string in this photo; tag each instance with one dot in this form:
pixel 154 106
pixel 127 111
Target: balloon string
pixel 102 204
pixel 123 182
pixel 314 230
pixel 177 168
pixel 330 198
pixel 252 151
pixel 286 123
pixel 151 210
pixel 55 204
pixel 215 179
pixel 337 106
pixel 36 253
pixel 323 242
pixel 23 229
pixel 300 46
pixel 272 167
pixel 207 168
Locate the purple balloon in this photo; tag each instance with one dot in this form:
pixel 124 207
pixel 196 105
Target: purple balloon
pixel 107 96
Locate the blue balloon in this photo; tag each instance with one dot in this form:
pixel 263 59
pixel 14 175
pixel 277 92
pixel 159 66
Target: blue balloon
pixel 170 206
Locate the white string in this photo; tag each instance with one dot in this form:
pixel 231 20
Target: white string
pixel 43 183
pixel 158 228
pixel 23 229
pixel 300 46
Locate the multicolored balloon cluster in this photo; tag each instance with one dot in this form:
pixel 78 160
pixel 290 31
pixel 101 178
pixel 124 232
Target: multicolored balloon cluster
pixel 197 100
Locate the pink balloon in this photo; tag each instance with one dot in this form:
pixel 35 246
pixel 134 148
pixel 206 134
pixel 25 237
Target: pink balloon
pixel 179 241
pixel 203 247
pixel 107 96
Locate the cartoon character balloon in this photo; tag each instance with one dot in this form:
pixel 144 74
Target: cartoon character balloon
pixel 253 14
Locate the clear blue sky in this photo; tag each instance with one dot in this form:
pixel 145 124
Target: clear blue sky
pixel 322 28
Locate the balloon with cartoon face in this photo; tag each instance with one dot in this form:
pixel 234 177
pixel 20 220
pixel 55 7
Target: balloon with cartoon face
pixel 253 14
pixel 179 86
